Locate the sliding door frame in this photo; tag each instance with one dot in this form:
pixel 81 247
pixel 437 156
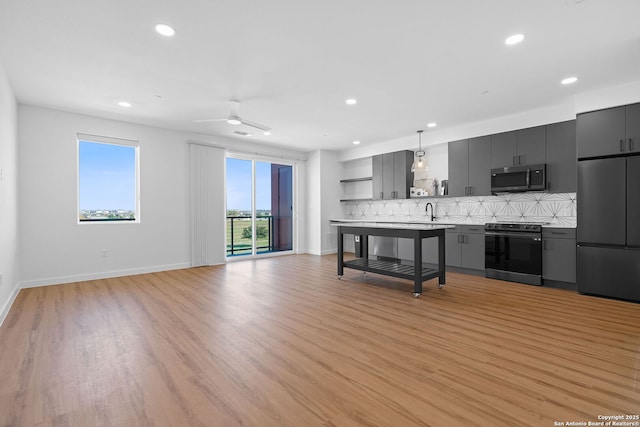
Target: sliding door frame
pixel 294 186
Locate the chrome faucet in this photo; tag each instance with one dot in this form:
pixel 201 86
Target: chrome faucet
pixel 426 209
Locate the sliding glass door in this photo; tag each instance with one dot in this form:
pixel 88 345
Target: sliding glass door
pixel 259 207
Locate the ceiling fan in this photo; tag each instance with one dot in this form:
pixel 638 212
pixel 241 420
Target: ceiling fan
pixel 235 119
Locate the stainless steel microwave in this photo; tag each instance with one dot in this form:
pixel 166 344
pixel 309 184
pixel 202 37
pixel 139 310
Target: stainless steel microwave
pixel 512 179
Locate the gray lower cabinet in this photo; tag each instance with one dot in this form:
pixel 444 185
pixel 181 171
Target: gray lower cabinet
pixel 465 246
pixel 559 254
pixel 392 177
pixel 429 250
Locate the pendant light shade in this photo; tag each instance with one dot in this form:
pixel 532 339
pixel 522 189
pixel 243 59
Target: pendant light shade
pixel 419 163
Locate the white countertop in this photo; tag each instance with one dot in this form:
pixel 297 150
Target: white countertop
pixel 391 224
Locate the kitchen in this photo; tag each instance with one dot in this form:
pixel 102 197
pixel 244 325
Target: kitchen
pixel 517 221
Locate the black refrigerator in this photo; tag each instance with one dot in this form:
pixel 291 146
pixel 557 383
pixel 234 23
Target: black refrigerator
pixel 608 252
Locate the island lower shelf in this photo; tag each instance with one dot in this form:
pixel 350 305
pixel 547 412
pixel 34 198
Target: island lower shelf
pixel 388 268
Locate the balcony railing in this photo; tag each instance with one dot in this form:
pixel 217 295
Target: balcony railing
pixel 239 235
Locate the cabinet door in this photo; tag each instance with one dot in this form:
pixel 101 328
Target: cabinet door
pixel 633 128
pixel 503 149
pixel 601 133
pixel 561 157
pixel 531 146
pixel 452 247
pixel 402 176
pixel 633 201
pixel 479 166
pixel 430 250
pixel 602 201
pixel 459 168
pixel 378 177
pixel 387 175
pixel 473 251
pixel 609 272
pixel 559 259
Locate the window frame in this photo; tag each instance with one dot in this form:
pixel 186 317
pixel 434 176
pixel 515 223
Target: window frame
pixel 98 139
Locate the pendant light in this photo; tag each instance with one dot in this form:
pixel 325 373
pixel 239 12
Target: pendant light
pixel 420 163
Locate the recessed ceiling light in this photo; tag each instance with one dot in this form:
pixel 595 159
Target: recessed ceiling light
pixel 514 39
pixel 234 120
pixel 124 104
pixel 432 125
pixel 351 101
pixel 267 133
pixel 356 142
pixel 165 30
pixel 569 80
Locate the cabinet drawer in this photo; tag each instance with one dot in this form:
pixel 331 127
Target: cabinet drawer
pixel 472 229
pixel 453 230
pixel 559 233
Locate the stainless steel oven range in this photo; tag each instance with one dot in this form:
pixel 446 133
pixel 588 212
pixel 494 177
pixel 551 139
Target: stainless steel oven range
pixel 513 251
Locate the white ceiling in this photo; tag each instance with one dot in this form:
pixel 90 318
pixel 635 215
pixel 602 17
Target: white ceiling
pixel 292 63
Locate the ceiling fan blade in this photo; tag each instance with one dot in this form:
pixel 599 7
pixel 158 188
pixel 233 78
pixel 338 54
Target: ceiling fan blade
pixel 209 120
pixel 255 125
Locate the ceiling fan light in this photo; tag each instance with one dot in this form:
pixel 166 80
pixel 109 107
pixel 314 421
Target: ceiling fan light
pixel 234 120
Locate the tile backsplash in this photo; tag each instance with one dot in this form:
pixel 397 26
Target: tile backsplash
pixel 554 208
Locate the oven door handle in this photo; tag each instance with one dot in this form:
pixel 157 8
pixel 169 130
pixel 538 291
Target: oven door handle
pixel 535 236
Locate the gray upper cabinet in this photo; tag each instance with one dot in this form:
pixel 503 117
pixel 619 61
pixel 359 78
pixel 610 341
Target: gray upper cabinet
pixel 458 167
pixel 470 167
pixel 632 128
pixel 377 177
pixel 392 177
pixel 531 145
pixel 521 147
pixel 480 166
pixel 561 157
pixel 602 133
pixel 503 149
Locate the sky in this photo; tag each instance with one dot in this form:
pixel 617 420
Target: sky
pixel 107 174
pixel 239 185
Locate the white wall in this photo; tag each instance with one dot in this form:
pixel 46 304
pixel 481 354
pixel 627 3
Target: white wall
pixel 324 172
pixel 54 248
pixel 314 204
pixel 330 199
pixel 580 102
pixel 9 266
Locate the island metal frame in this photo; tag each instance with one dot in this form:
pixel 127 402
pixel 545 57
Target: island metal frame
pixel 417 272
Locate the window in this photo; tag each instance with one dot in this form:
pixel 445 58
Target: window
pixel 259 207
pixel 108 188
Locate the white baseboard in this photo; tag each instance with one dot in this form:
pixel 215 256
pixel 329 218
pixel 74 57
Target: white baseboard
pixel 7 305
pixel 102 275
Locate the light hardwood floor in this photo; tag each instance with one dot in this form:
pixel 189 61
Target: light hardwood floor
pixel 282 342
